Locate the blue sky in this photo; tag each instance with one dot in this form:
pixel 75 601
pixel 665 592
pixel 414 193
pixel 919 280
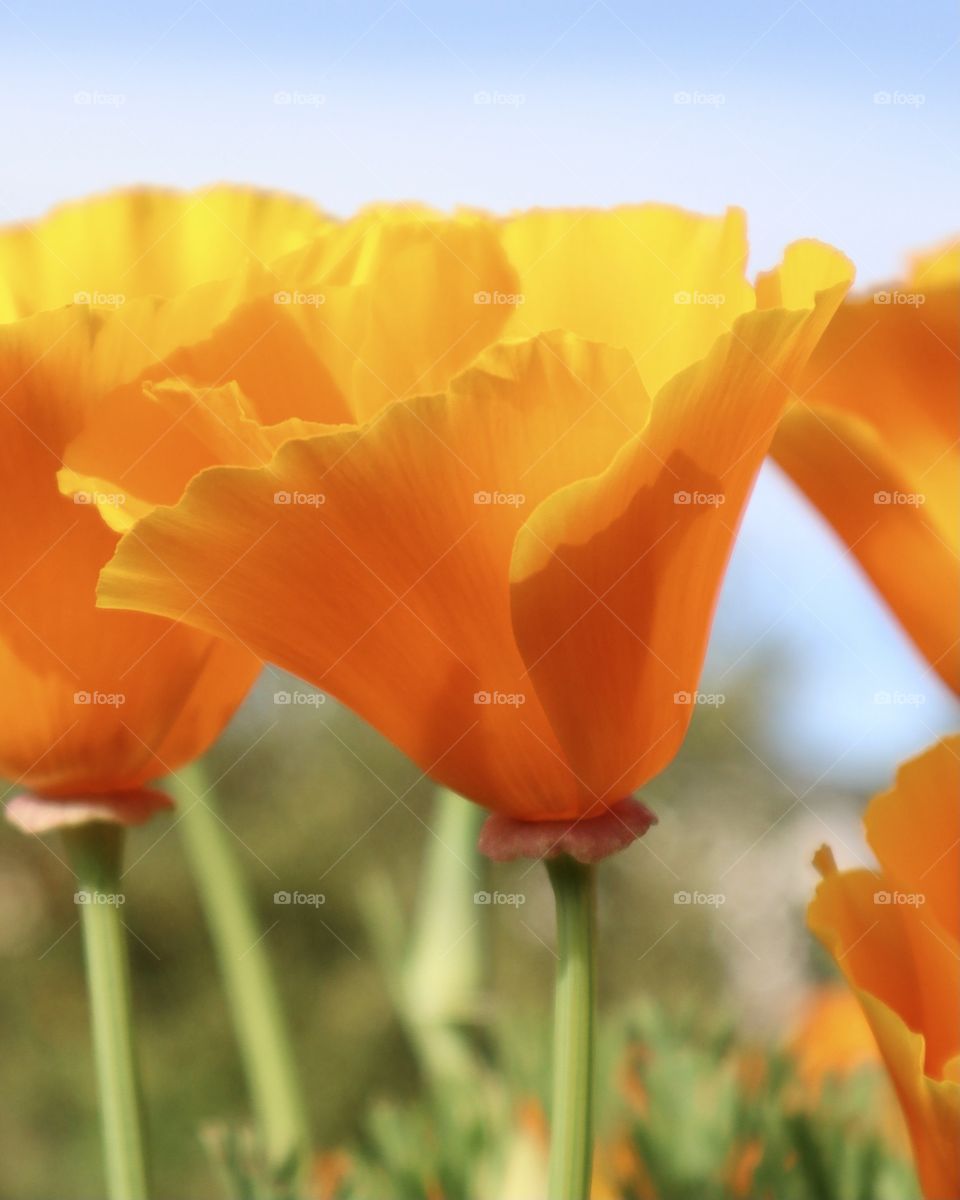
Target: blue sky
pixel 782 118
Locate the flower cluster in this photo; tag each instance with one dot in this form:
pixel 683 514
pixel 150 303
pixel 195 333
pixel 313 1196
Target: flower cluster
pixel 479 478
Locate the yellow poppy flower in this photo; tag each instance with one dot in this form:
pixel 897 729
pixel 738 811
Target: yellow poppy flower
pixel 151 334
pixel 895 934
pixel 873 443
pixel 513 577
pixel 109 250
pixel 92 299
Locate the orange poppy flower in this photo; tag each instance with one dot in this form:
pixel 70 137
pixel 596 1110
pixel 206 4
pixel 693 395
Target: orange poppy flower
pixel 149 335
pixel 874 444
pixel 895 934
pixel 831 1037
pixel 96 704
pixel 513 577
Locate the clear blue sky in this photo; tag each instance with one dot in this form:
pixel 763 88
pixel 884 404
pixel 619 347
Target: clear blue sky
pixel 786 124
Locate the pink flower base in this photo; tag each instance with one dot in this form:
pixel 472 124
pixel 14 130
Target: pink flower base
pixel 39 815
pixel 587 839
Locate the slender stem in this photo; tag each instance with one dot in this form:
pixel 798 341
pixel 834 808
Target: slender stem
pixel 446 964
pixel 96 851
pixel 571 1132
pixel 259 1023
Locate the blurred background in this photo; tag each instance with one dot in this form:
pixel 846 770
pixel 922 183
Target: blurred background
pixel 832 121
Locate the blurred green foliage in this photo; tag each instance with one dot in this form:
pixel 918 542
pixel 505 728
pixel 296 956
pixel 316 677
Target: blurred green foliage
pixel 318 803
pixel 696 1115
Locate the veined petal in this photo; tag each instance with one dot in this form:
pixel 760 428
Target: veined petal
pixel 398 301
pixel 387 581
pixel 860 483
pixel 885 947
pixel 109 249
pixel 893 934
pixel 93 702
pixel 137 400
pixel 873 443
pixel 914 830
pixel 147 441
pixel 931 1106
pixel 662 282
pixel 615 578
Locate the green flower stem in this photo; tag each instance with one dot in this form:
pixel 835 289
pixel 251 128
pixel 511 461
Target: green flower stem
pixel 259 1024
pixel 571 1117
pixel 95 851
pixel 446 964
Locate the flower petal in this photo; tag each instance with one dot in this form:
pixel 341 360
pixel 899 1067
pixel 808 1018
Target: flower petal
pixel 874 446
pixel 914 830
pixel 145 241
pixel 615 578
pixel 886 947
pixel 399 300
pixel 931 1106
pixel 93 702
pixel 660 281
pixel 382 572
